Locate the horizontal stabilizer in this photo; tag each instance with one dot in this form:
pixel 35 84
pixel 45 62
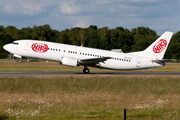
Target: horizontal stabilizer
pixel 164 60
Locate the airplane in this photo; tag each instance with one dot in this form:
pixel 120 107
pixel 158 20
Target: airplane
pixel 71 55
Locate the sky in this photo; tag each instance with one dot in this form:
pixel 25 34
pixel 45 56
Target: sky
pixel 159 15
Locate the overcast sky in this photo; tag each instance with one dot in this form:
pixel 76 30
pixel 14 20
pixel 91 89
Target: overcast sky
pixel 159 15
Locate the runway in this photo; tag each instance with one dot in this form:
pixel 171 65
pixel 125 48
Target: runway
pixel 93 73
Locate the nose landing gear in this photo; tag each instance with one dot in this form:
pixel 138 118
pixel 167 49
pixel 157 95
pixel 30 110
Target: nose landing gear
pixel 20 61
pixel 86 70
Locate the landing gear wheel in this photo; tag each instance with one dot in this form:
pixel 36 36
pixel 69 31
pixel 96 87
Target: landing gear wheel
pixel 20 61
pixel 86 70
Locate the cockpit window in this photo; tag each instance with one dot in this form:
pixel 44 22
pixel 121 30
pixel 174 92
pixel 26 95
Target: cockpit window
pixel 15 43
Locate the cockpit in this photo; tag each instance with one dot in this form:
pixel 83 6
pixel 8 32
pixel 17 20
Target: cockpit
pixel 15 43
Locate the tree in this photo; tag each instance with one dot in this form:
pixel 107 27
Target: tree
pixel 12 31
pixel 4 39
pixel 173 51
pixel 142 38
pixel 25 33
pixel 136 39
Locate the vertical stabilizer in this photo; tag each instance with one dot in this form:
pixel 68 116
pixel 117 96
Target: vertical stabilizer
pixel 158 48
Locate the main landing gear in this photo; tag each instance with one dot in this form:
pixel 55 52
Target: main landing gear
pixel 86 70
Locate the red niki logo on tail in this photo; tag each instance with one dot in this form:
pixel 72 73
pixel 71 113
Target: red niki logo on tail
pixel 160 46
pixel 39 47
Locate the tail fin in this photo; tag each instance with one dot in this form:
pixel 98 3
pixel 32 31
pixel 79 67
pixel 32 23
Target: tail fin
pixel 158 48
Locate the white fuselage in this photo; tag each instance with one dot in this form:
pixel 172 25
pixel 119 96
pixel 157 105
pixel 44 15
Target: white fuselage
pixel 56 51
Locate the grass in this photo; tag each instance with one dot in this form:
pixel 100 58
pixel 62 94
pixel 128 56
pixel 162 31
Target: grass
pixel 55 66
pixel 89 97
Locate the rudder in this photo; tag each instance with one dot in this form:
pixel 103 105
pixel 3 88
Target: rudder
pixel 158 48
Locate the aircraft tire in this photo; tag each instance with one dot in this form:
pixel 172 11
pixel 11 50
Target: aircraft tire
pixel 20 61
pixel 86 70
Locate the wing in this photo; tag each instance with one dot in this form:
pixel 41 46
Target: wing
pixel 93 61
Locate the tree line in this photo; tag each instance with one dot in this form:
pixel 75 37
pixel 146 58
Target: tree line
pixel 136 39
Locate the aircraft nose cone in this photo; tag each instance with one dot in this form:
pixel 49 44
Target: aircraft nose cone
pixel 6 47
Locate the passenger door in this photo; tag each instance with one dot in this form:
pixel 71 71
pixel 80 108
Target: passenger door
pixel 26 46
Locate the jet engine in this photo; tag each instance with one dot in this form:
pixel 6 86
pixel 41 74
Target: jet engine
pixel 69 61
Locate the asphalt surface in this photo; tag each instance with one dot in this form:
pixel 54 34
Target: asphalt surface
pixel 51 73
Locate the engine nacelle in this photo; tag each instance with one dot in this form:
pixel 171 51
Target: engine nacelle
pixel 69 61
